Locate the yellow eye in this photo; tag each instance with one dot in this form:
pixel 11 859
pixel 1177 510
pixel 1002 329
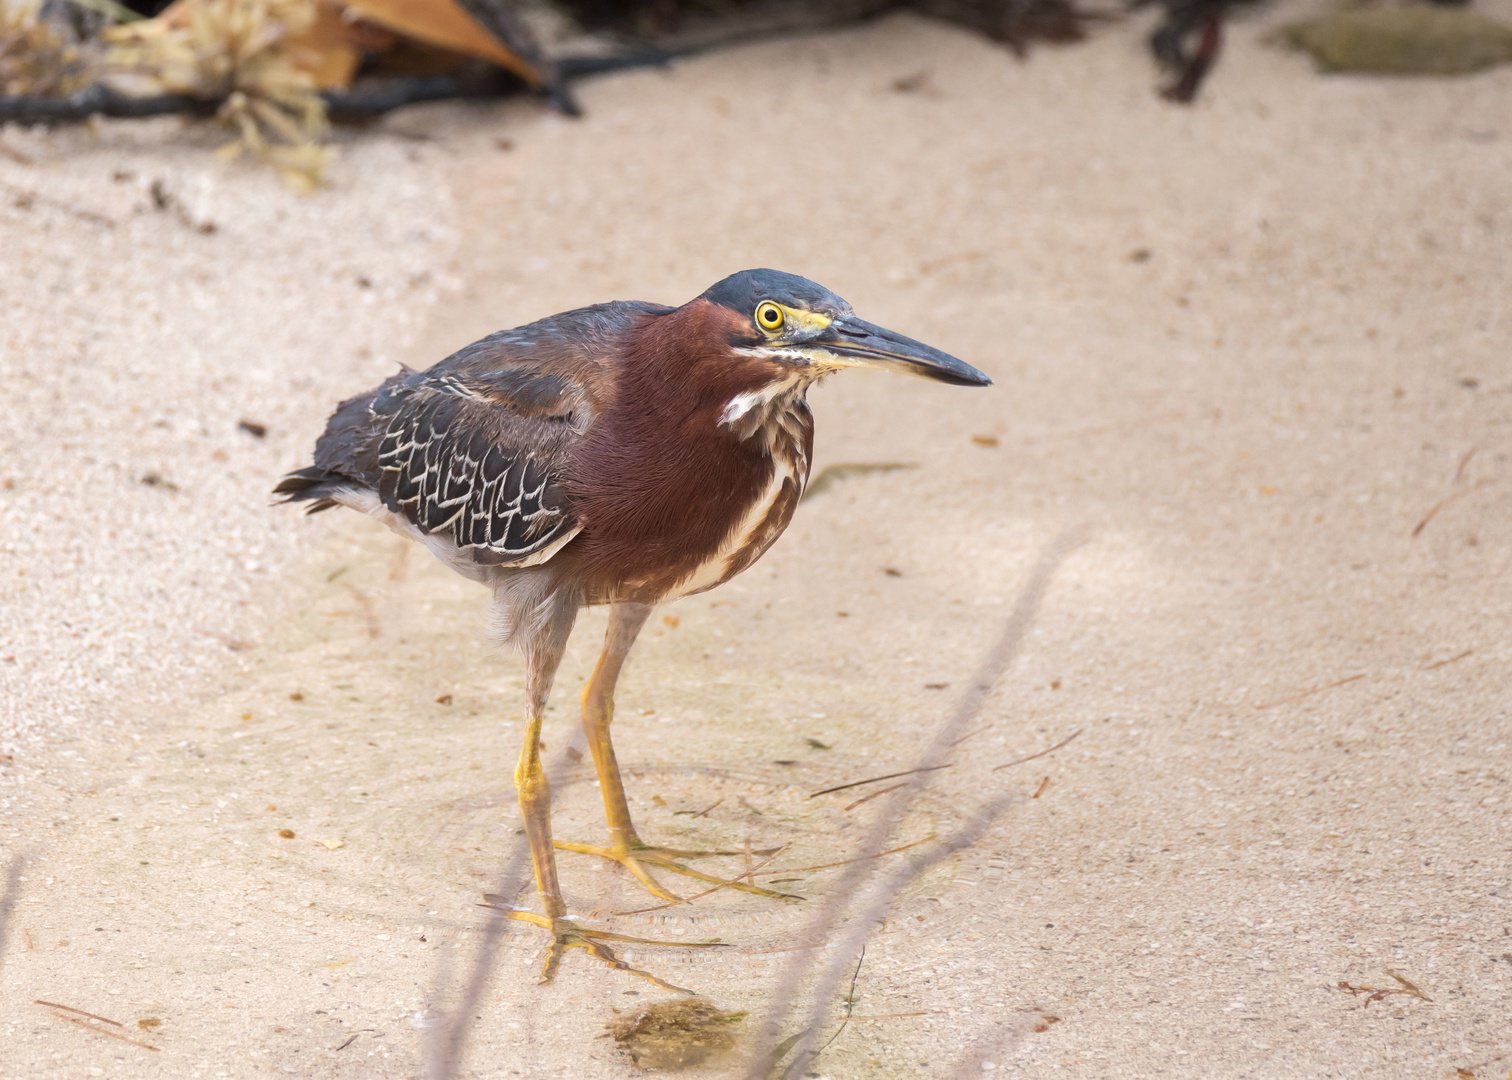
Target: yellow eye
pixel 768 316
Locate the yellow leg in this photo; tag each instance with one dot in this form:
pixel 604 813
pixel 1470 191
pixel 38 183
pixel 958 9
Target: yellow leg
pixel 625 845
pixel 534 790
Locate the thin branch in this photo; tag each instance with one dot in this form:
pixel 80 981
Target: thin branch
pixel 869 798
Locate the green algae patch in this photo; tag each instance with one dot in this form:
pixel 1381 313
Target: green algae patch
pixel 679 1034
pixel 1403 41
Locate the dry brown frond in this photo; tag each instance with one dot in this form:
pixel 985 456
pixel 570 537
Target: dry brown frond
pixel 36 58
pixel 241 52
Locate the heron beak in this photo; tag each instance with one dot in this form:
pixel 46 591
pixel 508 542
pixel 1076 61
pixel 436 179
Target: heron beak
pixel 853 342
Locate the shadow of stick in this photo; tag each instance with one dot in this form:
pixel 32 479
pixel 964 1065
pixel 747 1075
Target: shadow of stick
pixel 443 1051
pixel 861 924
pixel 8 899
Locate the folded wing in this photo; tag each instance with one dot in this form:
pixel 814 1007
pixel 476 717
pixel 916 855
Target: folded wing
pixel 477 449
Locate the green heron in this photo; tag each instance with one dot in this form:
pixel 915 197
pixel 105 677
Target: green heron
pixel 621 454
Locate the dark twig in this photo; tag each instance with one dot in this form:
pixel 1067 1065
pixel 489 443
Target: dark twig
pixel 971 734
pixel 80 1012
pixel 878 779
pixel 850 1003
pixel 100 100
pixel 82 1019
pixel 1459 473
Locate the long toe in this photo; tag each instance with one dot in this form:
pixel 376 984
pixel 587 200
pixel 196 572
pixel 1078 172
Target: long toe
pixel 568 934
pixel 639 859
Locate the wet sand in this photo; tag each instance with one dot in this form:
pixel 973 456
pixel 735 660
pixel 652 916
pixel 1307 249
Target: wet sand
pixel 1256 349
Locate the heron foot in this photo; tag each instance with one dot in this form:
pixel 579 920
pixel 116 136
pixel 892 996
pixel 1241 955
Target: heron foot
pixel 568 934
pixel 638 858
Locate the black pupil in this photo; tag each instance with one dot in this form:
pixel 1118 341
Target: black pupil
pixel 770 316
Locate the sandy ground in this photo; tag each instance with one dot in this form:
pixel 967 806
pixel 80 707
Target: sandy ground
pixel 1257 349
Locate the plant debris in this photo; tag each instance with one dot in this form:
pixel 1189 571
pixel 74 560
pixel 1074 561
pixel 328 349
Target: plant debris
pixel 38 56
pixel 675 1035
pixel 1374 993
pixel 91 1022
pixel 271 70
pixel 250 55
pixel 1042 753
pixel 1309 693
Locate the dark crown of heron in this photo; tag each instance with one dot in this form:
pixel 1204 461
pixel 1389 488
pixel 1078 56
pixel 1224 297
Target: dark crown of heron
pixel 781 313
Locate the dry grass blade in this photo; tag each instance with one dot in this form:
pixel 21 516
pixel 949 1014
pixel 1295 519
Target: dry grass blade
pixel 1444 663
pixel 1445 501
pixel 1041 754
pixel 83 1019
pixel 868 798
pixel 1404 988
pixel 77 1012
pixel 1309 693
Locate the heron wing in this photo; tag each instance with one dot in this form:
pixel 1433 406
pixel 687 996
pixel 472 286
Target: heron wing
pixel 477 447
pixel 478 457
